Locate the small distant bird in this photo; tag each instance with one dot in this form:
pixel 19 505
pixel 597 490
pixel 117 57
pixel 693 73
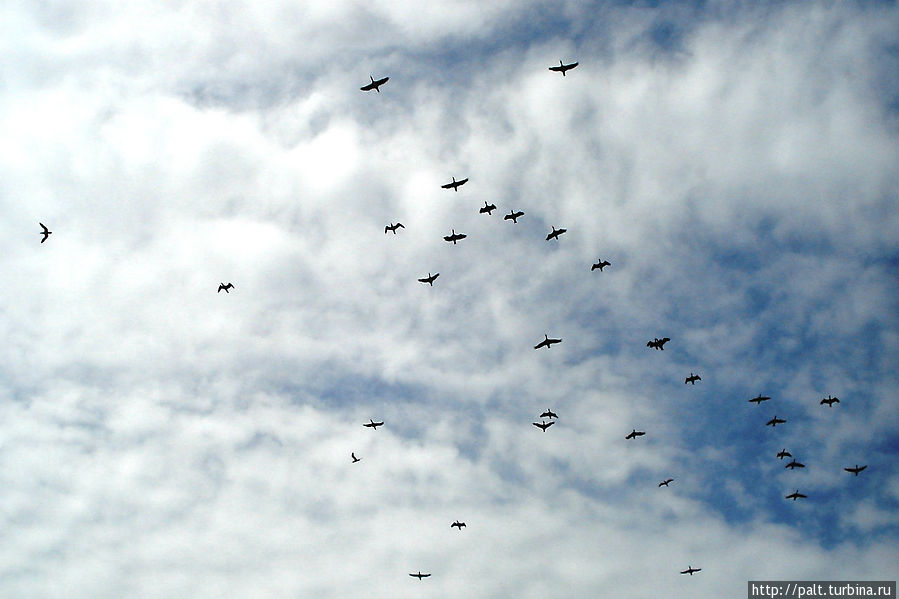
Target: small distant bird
pixel 353 455
pixel 795 495
pixel 420 575
pixel 600 264
pixel 513 216
pixel 225 288
pixel 374 85
pixel 455 185
pixel 454 237
pixel 487 209
pixel 856 470
pixel 430 279
pixel 690 570
pixel 372 424
pixel 783 453
pixel 458 525
pixel 46 232
pixel 547 342
pixel 829 401
pixel 794 464
pixel 548 414
pixel 555 234
pixel 634 434
pixel 692 379
pixel 775 421
pixel 543 424
pixel 665 482
pixel 563 67
pixel 393 227
pixel 657 343
pixel 759 399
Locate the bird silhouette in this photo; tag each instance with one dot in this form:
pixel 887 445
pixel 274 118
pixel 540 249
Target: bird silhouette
pixel 665 482
pixel 692 379
pixel 458 525
pixel 455 185
pixel 634 434
pixel 690 570
pixel 856 470
pixel 420 575
pixel 783 453
pixel 513 216
pixel 775 421
pixel 372 424
pixel 548 414
pixel 794 464
pixel 454 237
pixel 393 227
pixel 829 401
pixel 600 264
pixel 46 232
pixel 355 459
pixel 547 342
pixel 657 343
pixel 374 85
pixel 759 399
pixel 487 209
pixel 563 67
pixel 225 288
pixel 555 234
pixel 430 279
pixel 543 424
pixel 795 495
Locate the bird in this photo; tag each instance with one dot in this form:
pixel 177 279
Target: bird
pixel 46 232
pixel 353 455
pixel 690 570
pixel 555 234
pixel 600 264
pixel 224 287
pixel 634 434
pixel 454 237
pixel 563 67
pixel 775 421
pixel 430 279
pixel 829 401
pixel 692 379
pixel 543 424
pixel 487 209
pixel 758 399
pixel 665 482
pixel 455 184
pixel 548 414
pixel 783 453
pixel 547 342
pixel 393 227
pixel 795 495
pixel 420 575
pixel 374 85
pixel 513 216
pixel 856 470
pixel 794 464
pixel 372 424
pixel 658 343
pixel 458 525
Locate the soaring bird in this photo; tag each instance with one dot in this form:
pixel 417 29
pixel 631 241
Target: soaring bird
pixel 758 399
pixel 856 470
pixel 634 434
pixel 665 482
pixel 692 379
pixel 543 424
pixel 563 67
pixel 225 288
pixel 600 264
pixel 548 414
pixel 455 184
pixel 454 237
pixel 353 455
pixel 795 495
pixel 513 216
pixel 547 342
pixel 794 464
pixel 658 343
pixel 420 575
pixel 829 401
pixel 372 424
pixel 430 279
pixel 783 453
pixel 46 232
pixel 487 209
pixel 775 421
pixel 458 525
pixel 393 227
pixel 374 85
pixel 555 234
pixel 690 570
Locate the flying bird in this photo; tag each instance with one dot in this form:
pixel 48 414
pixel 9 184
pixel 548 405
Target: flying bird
pixel 794 464
pixel 634 434
pixel 353 455
pixel 547 342
pixel 856 470
pixel 658 343
pixel 758 399
pixel 46 232
pixel 224 287
pixel 783 453
pixel 420 575
pixel 692 379
pixel 563 67
pixel 374 85
pixel 458 525
pixel 600 264
pixel 795 495
pixel 513 216
pixel 393 227
pixel 487 209
pixel 454 237
pixel 455 184
pixel 548 414
pixel 690 570
pixel 829 401
pixel 555 234
pixel 430 279
pixel 372 424
pixel 665 482
pixel 543 424
pixel 775 421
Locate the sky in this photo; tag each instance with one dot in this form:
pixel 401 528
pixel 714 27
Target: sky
pixel 737 163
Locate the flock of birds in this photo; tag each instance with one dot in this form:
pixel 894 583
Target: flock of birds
pixel 548 417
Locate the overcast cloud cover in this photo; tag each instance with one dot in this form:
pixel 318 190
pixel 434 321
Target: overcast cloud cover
pixel 737 163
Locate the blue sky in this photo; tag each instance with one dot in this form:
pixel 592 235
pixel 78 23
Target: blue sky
pixel 736 164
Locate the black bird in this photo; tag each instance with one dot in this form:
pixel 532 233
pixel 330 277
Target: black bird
pixel 393 227
pixel 634 434
pixel 454 237
pixel 783 453
pixel 430 279
pixel 353 455
pixel 758 399
pixel 420 575
pixel 692 379
pixel 513 216
pixel 455 184
pixel 458 525
pixel 487 209
pixel 547 342
pixel 795 495
pixel 548 414
pixel 856 470
pixel 690 570
pixel 794 464
pixel 775 421
pixel 600 264
pixel 829 401
pixel 374 85
pixel 658 343
pixel 224 287
pixel 563 67
pixel 543 425
pixel 665 482
pixel 555 234
pixel 46 232
pixel 372 424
